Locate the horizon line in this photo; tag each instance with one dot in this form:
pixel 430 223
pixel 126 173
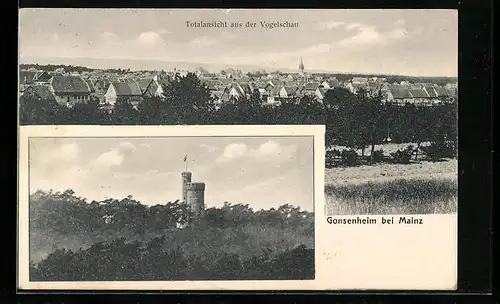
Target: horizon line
pixel 255 69
pixel 86 199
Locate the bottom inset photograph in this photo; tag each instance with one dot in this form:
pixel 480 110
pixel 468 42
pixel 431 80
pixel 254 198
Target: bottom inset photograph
pixel 170 208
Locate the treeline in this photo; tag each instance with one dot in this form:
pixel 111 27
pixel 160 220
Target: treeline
pixel 135 261
pixel 352 120
pixel 441 81
pixel 53 67
pixel 67 233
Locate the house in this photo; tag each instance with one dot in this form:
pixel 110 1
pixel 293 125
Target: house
pixel 149 87
pixel 220 98
pixel 397 94
pixel 123 91
pixel 287 92
pixel 444 94
pixel 330 83
pixel 420 97
pixel 236 91
pixel 41 77
pixel 359 80
pixel 433 95
pixel 273 96
pixel 321 93
pixel 40 92
pixel 69 90
pixel 26 78
pixel 309 89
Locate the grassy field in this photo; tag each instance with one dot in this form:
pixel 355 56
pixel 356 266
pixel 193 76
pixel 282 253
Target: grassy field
pixel 417 188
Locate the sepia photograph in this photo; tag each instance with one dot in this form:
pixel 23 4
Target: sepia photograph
pixel 170 208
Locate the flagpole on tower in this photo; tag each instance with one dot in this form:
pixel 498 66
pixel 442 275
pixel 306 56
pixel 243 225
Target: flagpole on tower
pixel 185 160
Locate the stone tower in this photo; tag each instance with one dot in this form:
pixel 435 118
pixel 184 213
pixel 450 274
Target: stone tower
pixel 196 197
pixel 193 194
pixel 186 179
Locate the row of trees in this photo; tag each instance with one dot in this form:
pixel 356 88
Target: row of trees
pixel 352 120
pixel 63 220
pixel 64 212
pixel 135 261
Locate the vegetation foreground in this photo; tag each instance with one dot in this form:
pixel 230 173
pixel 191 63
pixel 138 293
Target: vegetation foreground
pixel 73 240
pixel 396 196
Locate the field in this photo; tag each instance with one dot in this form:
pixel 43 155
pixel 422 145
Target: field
pixel 421 187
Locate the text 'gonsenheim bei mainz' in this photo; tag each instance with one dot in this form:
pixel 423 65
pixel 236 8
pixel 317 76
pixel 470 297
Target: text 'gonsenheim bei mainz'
pixel 391 220
pixel 247 24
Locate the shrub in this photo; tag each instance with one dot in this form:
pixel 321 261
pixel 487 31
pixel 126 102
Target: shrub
pixel 403 156
pixel 438 150
pixel 378 156
pixel 349 157
pixel 330 157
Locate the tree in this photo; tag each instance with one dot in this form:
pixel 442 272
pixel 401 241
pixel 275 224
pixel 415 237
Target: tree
pixel 34 110
pixel 190 100
pixel 124 113
pixel 86 113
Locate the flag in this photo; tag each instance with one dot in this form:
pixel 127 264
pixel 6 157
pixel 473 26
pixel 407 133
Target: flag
pixel 185 158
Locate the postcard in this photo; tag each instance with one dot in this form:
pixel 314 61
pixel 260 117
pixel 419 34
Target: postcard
pixel 238 149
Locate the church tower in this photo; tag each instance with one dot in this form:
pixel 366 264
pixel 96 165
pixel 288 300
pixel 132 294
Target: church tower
pixel 301 67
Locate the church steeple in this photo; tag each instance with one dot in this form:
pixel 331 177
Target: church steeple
pixel 301 66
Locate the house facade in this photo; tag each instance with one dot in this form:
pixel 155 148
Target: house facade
pixel 69 90
pixel 122 92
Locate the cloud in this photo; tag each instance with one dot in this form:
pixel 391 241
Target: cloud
pixel 353 25
pixel 149 38
pixel 368 35
pixel 233 151
pixel 108 36
pixel 114 157
pixel 275 150
pixel 203 41
pixel 67 152
pixel 163 31
pixel 400 22
pixel 329 25
pixel 270 150
pixel 209 148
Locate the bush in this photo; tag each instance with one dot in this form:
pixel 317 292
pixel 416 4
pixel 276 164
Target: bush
pixel 403 156
pixel 349 157
pixel 438 150
pixel 331 157
pixel 378 156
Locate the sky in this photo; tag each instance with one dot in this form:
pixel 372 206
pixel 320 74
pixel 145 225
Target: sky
pixel 263 172
pixel 402 42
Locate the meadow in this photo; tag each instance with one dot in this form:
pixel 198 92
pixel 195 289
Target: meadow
pixel 418 188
